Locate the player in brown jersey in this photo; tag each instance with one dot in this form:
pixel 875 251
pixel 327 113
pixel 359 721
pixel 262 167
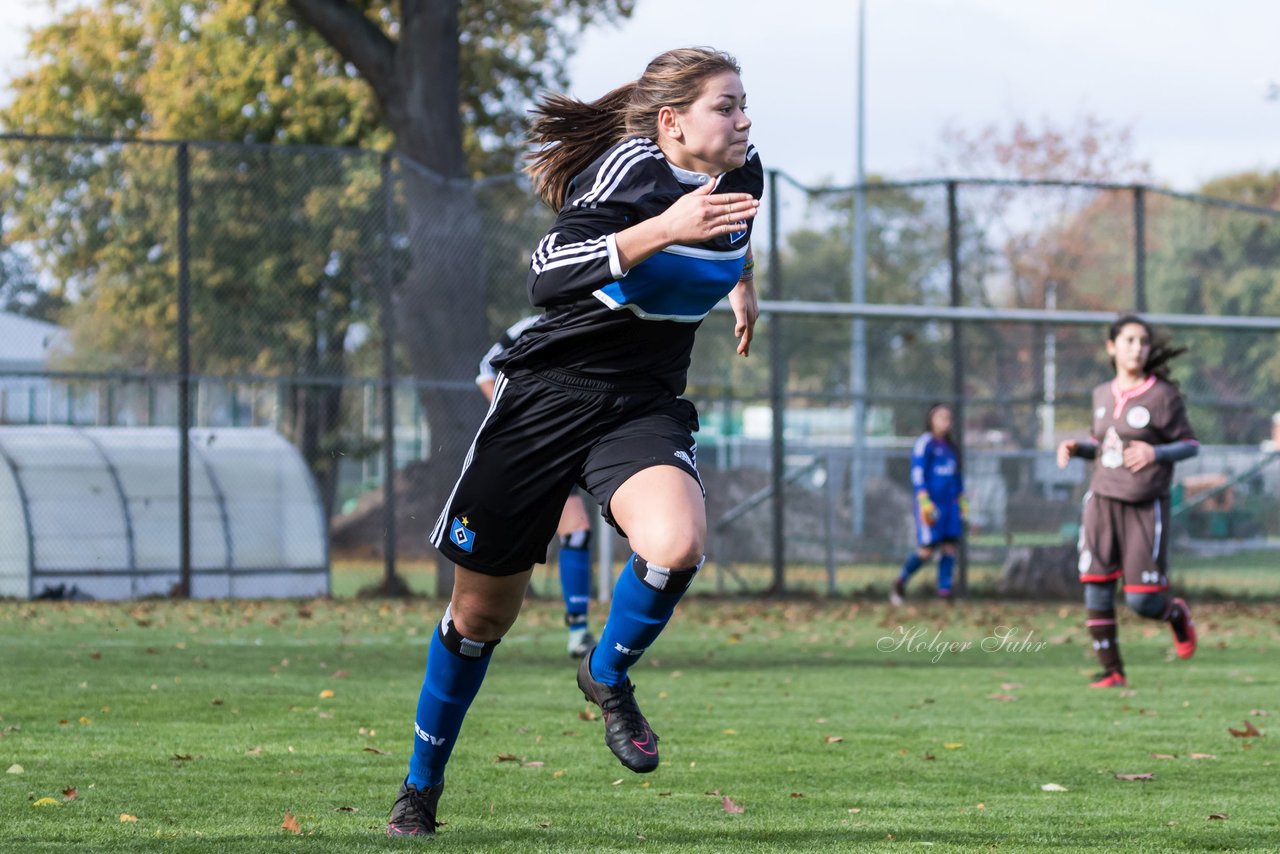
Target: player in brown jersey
pixel 1140 430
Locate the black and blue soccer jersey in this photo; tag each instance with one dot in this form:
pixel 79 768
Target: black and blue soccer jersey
pixel 608 324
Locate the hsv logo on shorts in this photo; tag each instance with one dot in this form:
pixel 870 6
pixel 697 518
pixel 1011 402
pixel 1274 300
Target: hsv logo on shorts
pixel 462 536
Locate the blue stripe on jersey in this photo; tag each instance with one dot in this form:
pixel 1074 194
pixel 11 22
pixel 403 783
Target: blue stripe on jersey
pixel 680 283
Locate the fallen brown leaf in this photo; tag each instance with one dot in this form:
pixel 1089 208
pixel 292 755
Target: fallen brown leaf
pixel 1217 816
pixel 1163 756
pixel 508 757
pixel 290 823
pixel 534 764
pixel 70 794
pixel 1249 731
pixel 1003 698
pixel 124 816
pixel 377 751
pixel 729 806
pixel 833 739
pixel 346 809
pixel 1259 713
pixel 181 757
pixel 797 794
pixel 1202 756
pixel 587 715
pixel 1135 776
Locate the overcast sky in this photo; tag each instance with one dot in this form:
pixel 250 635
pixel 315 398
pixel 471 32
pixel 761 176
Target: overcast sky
pixel 1189 77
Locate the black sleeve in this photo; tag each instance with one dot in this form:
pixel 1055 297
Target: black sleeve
pixel 577 256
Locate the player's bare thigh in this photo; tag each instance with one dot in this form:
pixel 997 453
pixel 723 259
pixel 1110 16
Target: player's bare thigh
pixel 574 516
pixel 662 510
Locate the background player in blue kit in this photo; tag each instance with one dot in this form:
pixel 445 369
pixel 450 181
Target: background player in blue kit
pixel 656 185
pixel 573 560
pixel 941 509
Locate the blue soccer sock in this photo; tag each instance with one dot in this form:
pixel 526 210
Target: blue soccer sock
pixel 945 564
pixel 912 563
pixel 575 577
pixel 455 670
pixel 643 601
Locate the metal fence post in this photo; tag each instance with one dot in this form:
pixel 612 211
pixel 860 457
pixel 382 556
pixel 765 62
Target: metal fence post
pixel 184 372
pixel 957 365
pixel 777 398
pixel 1139 248
pixel 388 379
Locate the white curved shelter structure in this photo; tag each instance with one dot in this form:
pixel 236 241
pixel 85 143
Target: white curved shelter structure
pixel 97 509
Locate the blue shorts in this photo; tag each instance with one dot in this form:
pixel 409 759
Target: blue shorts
pixel 948 527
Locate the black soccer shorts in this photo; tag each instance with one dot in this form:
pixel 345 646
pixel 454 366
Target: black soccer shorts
pixel 544 434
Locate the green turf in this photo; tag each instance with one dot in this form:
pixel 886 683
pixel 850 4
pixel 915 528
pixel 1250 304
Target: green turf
pixel 207 722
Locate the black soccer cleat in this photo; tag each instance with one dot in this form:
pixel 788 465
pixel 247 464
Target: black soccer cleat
pixel 626 732
pixel 414 813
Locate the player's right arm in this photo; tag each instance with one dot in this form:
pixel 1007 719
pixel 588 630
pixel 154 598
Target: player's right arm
pixel 590 246
pixel 1072 448
pixel 919 465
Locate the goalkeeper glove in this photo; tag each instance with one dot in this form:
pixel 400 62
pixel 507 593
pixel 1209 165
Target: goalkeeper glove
pixel 928 510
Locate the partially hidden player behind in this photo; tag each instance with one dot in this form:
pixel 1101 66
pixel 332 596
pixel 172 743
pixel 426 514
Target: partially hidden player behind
pixel 656 186
pixel 941 509
pixel 573 560
pixel 1140 430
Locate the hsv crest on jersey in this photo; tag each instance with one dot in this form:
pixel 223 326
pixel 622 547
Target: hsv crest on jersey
pixel 462 536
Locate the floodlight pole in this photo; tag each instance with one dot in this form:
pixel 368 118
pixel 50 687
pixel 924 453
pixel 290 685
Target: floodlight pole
pixel 183 590
pixel 858 347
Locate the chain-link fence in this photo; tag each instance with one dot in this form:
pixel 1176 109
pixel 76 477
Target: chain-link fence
pixel 342 299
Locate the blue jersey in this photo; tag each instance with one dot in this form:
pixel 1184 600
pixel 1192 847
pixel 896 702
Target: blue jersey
pixel 607 324
pixel 935 468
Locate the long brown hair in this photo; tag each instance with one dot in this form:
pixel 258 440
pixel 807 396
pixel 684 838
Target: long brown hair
pixel 1162 349
pixel 570 134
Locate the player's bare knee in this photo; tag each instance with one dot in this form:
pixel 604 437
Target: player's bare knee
pixel 481 620
pixel 460 642
pixel 675 546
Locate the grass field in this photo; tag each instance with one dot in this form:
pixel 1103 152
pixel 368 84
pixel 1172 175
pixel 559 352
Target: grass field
pixel 1248 575
pixel 205 726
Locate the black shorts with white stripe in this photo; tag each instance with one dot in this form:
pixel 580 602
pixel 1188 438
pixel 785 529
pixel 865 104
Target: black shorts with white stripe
pixel 546 432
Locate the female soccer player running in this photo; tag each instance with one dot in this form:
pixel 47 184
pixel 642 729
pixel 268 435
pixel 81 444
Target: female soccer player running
pixel 656 186
pixel 1140 430
pixel 574 530
pixel 941 507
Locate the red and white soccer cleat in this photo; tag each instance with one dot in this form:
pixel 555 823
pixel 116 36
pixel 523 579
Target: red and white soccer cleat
pixel 1185 646
pixel 1114 679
